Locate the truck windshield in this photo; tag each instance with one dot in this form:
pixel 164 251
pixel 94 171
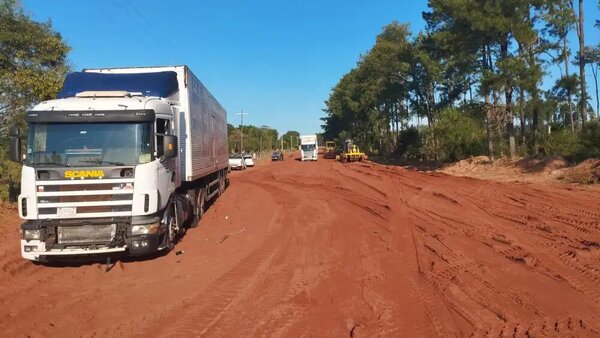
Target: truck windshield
pixel 307 147
pixel 89 144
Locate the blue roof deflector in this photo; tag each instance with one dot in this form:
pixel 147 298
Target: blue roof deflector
pixel 161 84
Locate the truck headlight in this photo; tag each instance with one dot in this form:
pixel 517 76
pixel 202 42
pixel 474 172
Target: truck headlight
pixel 144 229
pixel 32 235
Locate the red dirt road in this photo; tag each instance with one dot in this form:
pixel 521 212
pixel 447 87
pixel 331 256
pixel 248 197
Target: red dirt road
pixel 326 249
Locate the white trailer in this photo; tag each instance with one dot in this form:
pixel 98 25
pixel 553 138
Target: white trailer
pixel 121 162
pixel 309 149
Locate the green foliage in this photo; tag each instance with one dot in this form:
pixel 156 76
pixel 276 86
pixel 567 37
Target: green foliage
pixel 255 139
pixel 574 146
pixel 459 135
pixel 500 48
pixel 290 140
pixel 372 96
pixel 590 140
pixel 410 143
pixel 562 143
pixel 33 63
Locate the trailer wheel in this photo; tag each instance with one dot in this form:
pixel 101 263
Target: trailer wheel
pixel 200 206
pixel 221 187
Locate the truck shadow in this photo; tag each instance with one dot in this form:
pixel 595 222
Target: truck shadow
pixel 106 263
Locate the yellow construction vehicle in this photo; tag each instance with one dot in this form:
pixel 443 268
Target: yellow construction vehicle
pixel 351 153
pixel 329 150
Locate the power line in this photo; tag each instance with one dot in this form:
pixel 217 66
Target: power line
pixel 142 27
pixel 149 24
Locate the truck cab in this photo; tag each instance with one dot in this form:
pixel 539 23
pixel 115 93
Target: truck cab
pixel 104 168
pixel 309 149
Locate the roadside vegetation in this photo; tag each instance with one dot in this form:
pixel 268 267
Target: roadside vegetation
pixel 471 84
pixel 33 64
pixel 260 139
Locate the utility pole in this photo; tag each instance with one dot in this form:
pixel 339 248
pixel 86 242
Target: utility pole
pixel 241 114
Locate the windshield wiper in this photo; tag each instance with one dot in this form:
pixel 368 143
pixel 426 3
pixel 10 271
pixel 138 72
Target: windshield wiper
pixel 103 162
pixel 57 163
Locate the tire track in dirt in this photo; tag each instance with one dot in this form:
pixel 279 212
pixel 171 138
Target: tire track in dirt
pixel 489 219
pixel 333 249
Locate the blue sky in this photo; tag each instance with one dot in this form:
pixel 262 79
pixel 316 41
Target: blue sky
pixel 275 59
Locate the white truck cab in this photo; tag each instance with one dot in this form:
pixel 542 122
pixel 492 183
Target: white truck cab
pixel 309 149
pixel 120 162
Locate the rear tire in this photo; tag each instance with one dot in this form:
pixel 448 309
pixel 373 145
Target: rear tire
pixel 200 206
pixel 221 184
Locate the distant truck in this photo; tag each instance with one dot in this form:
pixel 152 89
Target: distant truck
pixel 120 163
pixel 309 149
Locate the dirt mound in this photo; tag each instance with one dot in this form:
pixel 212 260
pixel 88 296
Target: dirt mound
pixel 470 164
pixel 586 172
pixel 504 169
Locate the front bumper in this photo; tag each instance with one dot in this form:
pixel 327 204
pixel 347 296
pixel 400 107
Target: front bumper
pixel 121 241
pixel 36 250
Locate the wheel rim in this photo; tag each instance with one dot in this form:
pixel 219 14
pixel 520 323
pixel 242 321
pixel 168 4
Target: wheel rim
pixel 171 227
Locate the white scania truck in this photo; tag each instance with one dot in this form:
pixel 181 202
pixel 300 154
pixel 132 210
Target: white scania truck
pixel 120 163
pixel 309 149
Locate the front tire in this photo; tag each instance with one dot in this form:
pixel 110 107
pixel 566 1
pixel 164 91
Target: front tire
pixel 171 232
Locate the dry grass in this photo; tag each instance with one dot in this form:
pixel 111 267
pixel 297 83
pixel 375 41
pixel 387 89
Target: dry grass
pixel 586 172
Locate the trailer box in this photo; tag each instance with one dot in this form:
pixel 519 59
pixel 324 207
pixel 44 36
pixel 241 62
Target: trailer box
pixel 200 119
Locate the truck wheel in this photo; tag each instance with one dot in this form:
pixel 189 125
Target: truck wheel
pixel 221 185
pixel 170 235
pixel 200 206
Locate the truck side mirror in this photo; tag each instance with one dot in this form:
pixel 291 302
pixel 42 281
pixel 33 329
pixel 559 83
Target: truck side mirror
pixel 16 148
pixel 170 148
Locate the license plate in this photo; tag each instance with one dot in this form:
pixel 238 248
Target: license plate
pixel 66 212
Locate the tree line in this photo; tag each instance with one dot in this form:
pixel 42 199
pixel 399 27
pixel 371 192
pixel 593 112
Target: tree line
pixel 259 139
pixel 470 84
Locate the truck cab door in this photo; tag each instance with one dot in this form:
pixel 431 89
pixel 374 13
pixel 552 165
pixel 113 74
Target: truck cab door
pixel 167 168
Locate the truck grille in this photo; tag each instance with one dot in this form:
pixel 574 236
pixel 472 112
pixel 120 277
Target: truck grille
pixel 308 154
pixel 85 198
pixel 86 234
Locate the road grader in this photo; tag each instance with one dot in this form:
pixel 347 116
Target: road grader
pixel 351 153
pixel 329 150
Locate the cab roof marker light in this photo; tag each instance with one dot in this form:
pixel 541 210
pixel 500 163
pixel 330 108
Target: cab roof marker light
pixel 103 93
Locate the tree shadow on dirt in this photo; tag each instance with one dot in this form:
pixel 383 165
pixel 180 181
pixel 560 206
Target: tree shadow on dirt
pixel 409 164
pixel 533 165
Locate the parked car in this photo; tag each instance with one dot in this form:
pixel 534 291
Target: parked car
pixel 236 162
pixel 277 156
pixel 248 161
